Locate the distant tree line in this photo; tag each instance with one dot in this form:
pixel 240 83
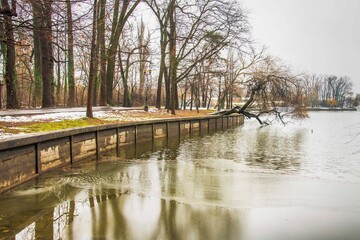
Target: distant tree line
pixel 328 91
pixel 167 53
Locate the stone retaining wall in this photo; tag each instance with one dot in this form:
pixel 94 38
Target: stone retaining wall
pixel 24 158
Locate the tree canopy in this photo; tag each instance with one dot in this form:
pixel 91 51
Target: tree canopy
pixel 167 53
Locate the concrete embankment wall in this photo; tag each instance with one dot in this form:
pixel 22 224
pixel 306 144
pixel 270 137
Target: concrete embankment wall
pixel 24 158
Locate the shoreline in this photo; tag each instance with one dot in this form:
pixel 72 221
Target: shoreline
pixel 331 109
pixel 24 158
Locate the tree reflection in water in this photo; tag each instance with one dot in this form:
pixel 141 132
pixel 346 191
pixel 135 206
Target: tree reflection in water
pixel 149 197
pixel 223 186
pixel 134 217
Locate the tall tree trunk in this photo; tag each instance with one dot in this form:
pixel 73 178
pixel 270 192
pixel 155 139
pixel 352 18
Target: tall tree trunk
pixel 184 95
pixel 127 101
pixel 48 26
pixel 167 88
pixel 1 84
pixel 3 54
pixel 71 69
pixel 65 78
pixel 103 82
pixel 101 37
pixel 163 19
pixel 127 95
pixel 97 80
pixel 93 63
pixel 58 74
pixel 37 89
pixel 47 99
pixel 96 84
pixel 142 57
pixel 191 95
pixel 163 43
pixel 209 100
pixel 177 105
pixel 206 86
pixel 58 68
pixel 219 95
pixel 172 57
pixel 10 73
pixel 42 16
pixel 125 13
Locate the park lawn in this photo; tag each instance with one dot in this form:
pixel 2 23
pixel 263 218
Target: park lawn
pixel 46 125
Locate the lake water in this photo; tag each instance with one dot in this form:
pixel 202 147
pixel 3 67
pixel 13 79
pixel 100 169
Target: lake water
pixel 300 181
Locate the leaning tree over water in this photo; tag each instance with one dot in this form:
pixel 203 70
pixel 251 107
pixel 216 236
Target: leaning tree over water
pixel 272 91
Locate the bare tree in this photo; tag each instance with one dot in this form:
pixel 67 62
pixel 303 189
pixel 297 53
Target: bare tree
pixel 43 16
pixel 143 45
pixel 102 42
pixel 10 73
pixel 93 61
pixel 127 8
pixel 71 70
pixel 326 91
pixel 195 31
pixel 161 11
pixel 272 91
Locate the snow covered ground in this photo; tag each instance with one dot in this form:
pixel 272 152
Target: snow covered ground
pixel 110 115
pixel 50 117
pixel 71 115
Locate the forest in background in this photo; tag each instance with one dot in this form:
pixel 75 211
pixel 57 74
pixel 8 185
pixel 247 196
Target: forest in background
pixel 166 53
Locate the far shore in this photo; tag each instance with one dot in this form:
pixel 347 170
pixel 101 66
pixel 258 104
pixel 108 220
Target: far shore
pixel 334 109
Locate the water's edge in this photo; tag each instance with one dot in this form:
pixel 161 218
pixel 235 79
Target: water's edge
pixel 24 158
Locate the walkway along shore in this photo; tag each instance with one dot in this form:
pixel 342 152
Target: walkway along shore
pixel 23 158
pixel 26 112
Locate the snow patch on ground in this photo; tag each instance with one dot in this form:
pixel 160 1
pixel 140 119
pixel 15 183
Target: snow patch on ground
pixel 51 117
pixel 8 136
pixel 112 115
pixel 56 117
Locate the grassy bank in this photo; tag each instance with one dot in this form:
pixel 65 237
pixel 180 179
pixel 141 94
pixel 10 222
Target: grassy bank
pixel 57 122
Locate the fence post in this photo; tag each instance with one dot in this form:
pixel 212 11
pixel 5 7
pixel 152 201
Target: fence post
pixel 37 159
pixel 71 149
pixel 97 145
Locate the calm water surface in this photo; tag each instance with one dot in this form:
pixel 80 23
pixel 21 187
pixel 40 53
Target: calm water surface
pixel 301 181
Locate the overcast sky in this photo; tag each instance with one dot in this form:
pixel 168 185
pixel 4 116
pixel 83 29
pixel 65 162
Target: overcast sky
pixel 313 36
